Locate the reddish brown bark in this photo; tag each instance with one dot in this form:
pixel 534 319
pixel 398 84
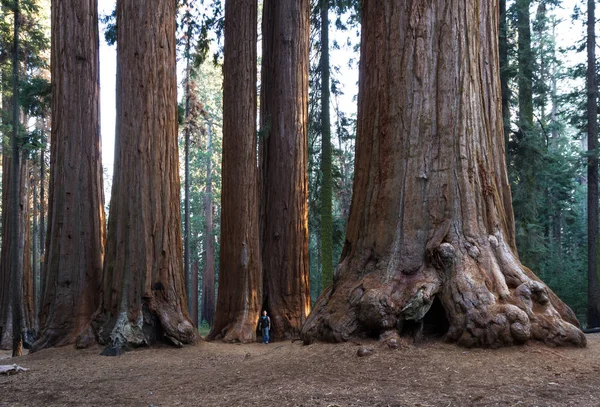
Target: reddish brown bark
pixel 431 217
pixel 194 289
pixel 284 160
pixel 240 276
pixel 143 295
pixel 76 221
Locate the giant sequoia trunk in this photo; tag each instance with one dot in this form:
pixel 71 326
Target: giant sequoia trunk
pixel 431 218
pixel 76 223
pixel 240 293
pixel 284 160
pixel 143 294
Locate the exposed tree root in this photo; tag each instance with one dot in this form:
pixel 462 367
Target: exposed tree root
pixel 152 324
pixel 241 330
pixel 489 299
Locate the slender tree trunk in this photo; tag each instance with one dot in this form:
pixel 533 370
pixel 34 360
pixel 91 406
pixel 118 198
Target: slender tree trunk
pixel 143 294
pixel 34 249
pixel 593 312
pixel 431 235
pixel 557 215
pixel 194 300
pixel 5 296
pixel 76 221
pixel 208 280
pixel 240 275
pixel 16 265
pixel 284 162
pixel 25 248
pixel 42 221
pixel 326 170
pixel 187 223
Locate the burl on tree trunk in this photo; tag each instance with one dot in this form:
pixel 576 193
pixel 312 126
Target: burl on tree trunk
pixel 431 231
pixel 143 295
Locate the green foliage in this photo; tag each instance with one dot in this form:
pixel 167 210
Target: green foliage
pixel 545 164
pixel 35 96
pixel 206 114
pixel 342 143
pixel 203 328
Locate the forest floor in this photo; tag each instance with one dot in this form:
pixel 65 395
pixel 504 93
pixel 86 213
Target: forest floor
pixel 290 374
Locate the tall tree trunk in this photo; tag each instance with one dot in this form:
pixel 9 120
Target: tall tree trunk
pixel 431 217
pixel 186 210
pixel 76 221
pixel 284 162
pixel 5 292
pixel 326 165
pixel 593 311
pixel 25 248
pixel 240 276
pixel 143 294
pixel 16 256
pixel 34 248
pixel 208 279
pixel 557 215
pixel 42 219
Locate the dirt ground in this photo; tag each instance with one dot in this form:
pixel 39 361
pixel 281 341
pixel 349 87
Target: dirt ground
pixel 290 374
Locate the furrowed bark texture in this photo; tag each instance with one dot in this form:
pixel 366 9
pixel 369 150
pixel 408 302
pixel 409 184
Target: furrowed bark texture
pixel 431 215
pixel 240 276
pixel 76 220
pixel 284 161
pixel 143 294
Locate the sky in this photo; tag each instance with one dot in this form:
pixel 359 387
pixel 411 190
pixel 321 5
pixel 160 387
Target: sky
pixel 569 33
pixel 108 77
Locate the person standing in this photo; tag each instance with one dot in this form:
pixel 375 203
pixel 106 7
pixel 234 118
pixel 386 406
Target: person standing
pixel 265 326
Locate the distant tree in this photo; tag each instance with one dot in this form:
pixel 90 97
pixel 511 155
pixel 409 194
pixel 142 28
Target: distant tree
pixel 431 235
pixel 32 94
pixel 143 294
pixel 240 276
pixel 283 147
pixel 16 235
pixel 326 155
pixel 208 277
